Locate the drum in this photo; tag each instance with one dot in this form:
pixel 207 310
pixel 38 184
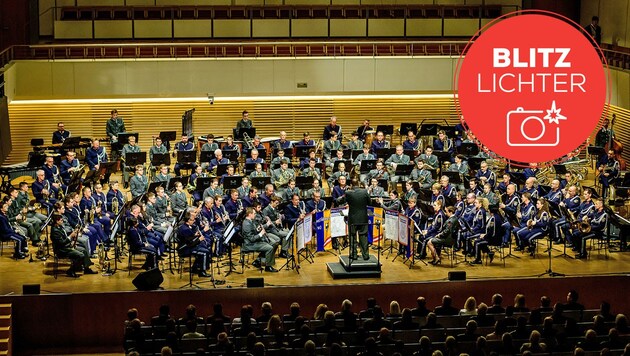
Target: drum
pixel 369 137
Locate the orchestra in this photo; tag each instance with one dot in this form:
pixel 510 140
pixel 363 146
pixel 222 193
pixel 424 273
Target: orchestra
pixel 487 207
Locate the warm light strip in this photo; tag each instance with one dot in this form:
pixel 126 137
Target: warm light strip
pixel 219 99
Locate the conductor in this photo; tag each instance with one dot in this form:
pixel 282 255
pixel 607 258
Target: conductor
pixel 358 201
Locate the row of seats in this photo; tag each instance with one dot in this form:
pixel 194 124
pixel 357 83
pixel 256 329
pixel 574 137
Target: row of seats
pixel 279 12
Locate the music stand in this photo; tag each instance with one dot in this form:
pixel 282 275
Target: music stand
pixel 203 183
pixel 36 160
pixel 186 156
pixel 123 137
pixel 153 186
pixel 596 151
pixel 260 182
pixel 356 153
pixel 232 182
pixel 449 131
pixel 518 178
pixel 91 177
pixel 386 129
pixel 385 153
pixel 206 156
pixel 250 167
pixel 251 132
pixel 304 183
pixel 167 137
pixel 468 149
pixel 560 169
pixel 262 153
pixel 347 163
pixel 428 130
pixel 108 167
pixel 173 180
pixel 384 183
pixel 403 170
pixel 288 152
pixel 424 194
pixel 222 168
pixel 133 159
pixel 411 153
pixel 161 159
pixel 367 165
pixel 231 155
pixel 442 156
pixel 71 141
pixel 347 153
pixel 302 151
pixel 453 177
pixel 475 162
pixel 405 127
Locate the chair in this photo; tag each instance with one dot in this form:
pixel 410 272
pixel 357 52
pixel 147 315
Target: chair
pixel 2 241
pixel 56 259
pixel 246 252
pixel 131 256
pixel 600 242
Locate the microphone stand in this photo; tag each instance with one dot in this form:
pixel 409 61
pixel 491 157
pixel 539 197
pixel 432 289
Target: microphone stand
pixel 550 271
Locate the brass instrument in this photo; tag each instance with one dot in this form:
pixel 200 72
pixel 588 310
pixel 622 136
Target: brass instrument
pixel 284 179
pixel 47 192
pixel 248 141
pixel 115 205
pixel 102 257
pixel 387 144
pixel 33 207
pixel 585 226
pixel 530 224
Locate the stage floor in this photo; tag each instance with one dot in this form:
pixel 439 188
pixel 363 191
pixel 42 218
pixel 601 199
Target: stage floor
pixel 16 273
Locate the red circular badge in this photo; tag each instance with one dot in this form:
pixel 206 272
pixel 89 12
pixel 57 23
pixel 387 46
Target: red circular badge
pixel 531 87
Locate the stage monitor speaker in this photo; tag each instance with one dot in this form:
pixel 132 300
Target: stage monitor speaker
pixel 457 276
pixel 255 282
pixel 30 289
pixel 148 280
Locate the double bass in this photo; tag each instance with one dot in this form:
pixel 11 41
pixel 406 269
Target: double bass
pixel 616 145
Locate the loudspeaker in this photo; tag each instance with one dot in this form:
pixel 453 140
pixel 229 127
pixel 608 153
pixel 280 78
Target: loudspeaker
pixel 148 280
pixel 457 276
pixel 255 282
pixel 30 289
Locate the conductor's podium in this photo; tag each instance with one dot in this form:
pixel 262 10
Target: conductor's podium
pixel 359 268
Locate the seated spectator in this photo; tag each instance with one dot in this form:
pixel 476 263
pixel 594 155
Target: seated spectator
pixel 604 310
pixel 333 337
pixel 590 342
pixel 431 322
pixel 507 346
pixel 266 313
pixel 329 323
pixel 246 324
pixel 499 329
pixel 247 312
pixel 599 325
pixel 305 335
pixel 335 350
pixel 614 342
pixel 406 322
pixel 446 308
pixel 496 307
pixel 545 304
pixel 223 346
pixel 377 322
pixel 166 351
pixel 548 334
pixel 191 314
pixel 535 318
pixel 534 345
pixel 482 318
pixel 572 302
pixel 274 326
pixel 394 310
pixel 509 319
pixel 250 342
pixel 309 348
pixel 297 326
pixel 133 333
pixel 191 330
pixel 425 348
pixel 451 347
pixel 370 348
pixel 217 321
pixel 348 316
pixel 421 308
pixel 621 324
pixel 385 337
pixel 480 347
pixel 556 314
pixel 519 304
pixel 470 307
pixel 320 311
pixel 162 317
pixel 278 342
pixel 369 311
pixel 259 349
pixel 521 332
pixel 131 315
pixel 470 334
pixel 294 312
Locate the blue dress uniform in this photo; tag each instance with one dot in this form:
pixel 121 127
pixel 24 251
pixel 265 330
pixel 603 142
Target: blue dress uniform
pixel 376 145
pixel 598 221
pixel 181 146
pixel 611 166
pixel 493 235
pixel 411 145
pixel 250 160
pixel 302 143
pixel 539 229
pixel 585 210
pixel 533 191
pixel 191 244
pixel 511 205
pixel 443 146
pixel 7 233
pixel 49 175
pixel 573 205
pixel 100 222
pixel 439 197
pixel 232 207
pixel 527 212
pixel 95 156
pixel 215 162
pixel 415 215
pixel 436 226
pixel 218 228
pixel 292 213
pixel 155 238
pixel 316 207
pixel 489 176
pixel 64 170
pixel 60 136
pixel 246 150
pixel 111 194
pixel 37 188
pixel 502 187
pixel 138 244
pixel 529 172
pixel 338 193
pixel 477 227
pixel 95 235
pixel 554 196
pixel 449 191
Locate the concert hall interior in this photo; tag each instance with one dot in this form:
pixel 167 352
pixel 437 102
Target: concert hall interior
pixel 205 152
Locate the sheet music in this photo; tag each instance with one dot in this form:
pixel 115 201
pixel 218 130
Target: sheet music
pixel 338 226
pixel 298 227
pixel 403 230
pixel 308 228
pixel 391 225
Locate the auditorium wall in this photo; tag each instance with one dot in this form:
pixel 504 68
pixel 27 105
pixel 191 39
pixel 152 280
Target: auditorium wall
pixel 614 18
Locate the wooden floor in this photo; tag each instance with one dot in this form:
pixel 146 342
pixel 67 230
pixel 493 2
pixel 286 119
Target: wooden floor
pixel 16 273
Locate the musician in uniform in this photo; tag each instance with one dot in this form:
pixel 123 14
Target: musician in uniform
pixel 243 123
pixel 255 239
pixel 502 186
pixel 184 145
pixel 526 212
pixel 359 158
pixel 283 143
pixel 375 190
pixel 130 147
pixel 413 213
pixel 101 199
pixel 221 220
pixel 275 228
pixel 265 197
pixel 597 219
pixel 213 190
pixel 282 176
pixel 532 170
pixel 493 199
pixel 486 175
pixel 276 161
pixel 160 222
pixel 210 145
pixel 555 193
pixel 68 166
pixel 608 168
pixel 251 197
pixel 436 194
pixel 411 143
pixel 567 181
pixel 243 190
pixel 162 175
pixel 358 200
pixel 430 160
pixel 339 191
pixel 354 143
pixel 410 192
pixel 363 129
pixel 138 244
pixel 536 227
pixel 444 237
pixel 316 204
pixel 115 193
pixel 460 165
pixel 422 175
pixel 294 211
pixel 179 203
pixel 332 129
pixel 443 144
pixel 229 145
pixel 510 204
pixel 332 144
pixel 139 183
pixel 158 148
pixel 531 187
pixel 162 204
pixel 379 172
pixel 584 210
pixel 193 243
pixel 571 201
pixel 306 141
pixel 60 135
pixel 17 214
pixel 341 172
pixel 312 170
pixel 234 205
pixel 379 142
pixel 473 187
pixel 254 158
pixel 154 237
pixel 24 201
pixel 604 135
pixel 101 219
pixel 448 189
pixel 94 156
pixel 290 190
pixel 217 160
pixel 316 188
pixel 393 203
pixel 42 191
pixel 73 215
pixel 394 160
pixel 115 125
pixel 492 236
pixel 51 173
pixel 229 172
pixel 64 247
pixel 192 183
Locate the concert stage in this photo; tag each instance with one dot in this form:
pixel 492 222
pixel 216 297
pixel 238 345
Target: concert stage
pixel 75 304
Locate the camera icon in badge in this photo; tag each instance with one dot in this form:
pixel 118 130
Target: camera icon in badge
pixel 531 129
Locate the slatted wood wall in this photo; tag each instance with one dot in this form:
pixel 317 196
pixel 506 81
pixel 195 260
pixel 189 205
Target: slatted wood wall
pixel 293 116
